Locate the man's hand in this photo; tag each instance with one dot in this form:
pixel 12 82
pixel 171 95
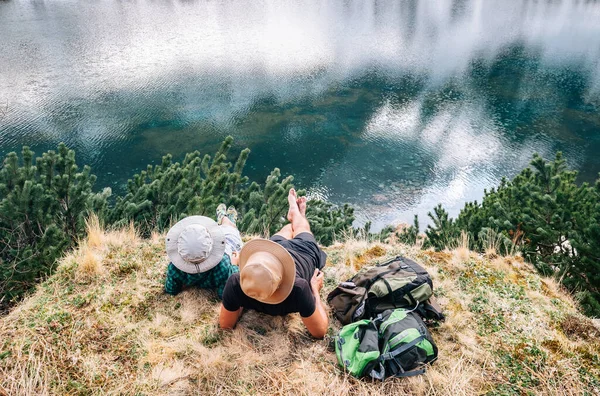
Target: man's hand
pixel 316 281
pixel 318 323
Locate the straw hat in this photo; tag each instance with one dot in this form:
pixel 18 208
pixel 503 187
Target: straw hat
pixel 195 244
pixel 267 271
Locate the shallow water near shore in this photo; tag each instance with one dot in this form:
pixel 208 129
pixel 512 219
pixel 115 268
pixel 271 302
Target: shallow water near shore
pixel 390 106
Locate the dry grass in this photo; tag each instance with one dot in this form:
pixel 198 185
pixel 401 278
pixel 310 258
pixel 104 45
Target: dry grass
pixel 89 265
pixel 461 252
pixel 95 232
pixel 102 325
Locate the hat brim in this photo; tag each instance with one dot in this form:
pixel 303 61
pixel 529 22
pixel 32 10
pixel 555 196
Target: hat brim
pixel 285 258
pixel 216 254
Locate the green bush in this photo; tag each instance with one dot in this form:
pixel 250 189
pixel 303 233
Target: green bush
pixel 443 232
pixel 542 212
pixel 43 207
pixel 410 234
pixel 161 195
pixel 165 193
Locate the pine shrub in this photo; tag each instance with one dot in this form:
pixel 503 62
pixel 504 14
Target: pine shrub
pixel 410 234
pixel 543 212
pixel 163 194
pixel 43 208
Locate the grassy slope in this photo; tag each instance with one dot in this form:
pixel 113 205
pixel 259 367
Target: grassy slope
pixel 101 325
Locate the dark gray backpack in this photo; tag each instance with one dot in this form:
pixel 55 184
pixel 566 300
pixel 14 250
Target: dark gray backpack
pixel 398 283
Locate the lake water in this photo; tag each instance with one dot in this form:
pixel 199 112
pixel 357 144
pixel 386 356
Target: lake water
pixel 393 106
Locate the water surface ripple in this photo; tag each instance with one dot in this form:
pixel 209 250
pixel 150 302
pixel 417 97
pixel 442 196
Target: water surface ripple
pixel 393 106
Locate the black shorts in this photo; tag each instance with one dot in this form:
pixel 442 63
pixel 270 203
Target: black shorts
pixel 306 253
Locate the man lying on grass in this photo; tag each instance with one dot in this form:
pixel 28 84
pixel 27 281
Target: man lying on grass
pixel 280 276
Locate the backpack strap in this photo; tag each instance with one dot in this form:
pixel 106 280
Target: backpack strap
pixel 378 372
pixel 404 348
pixel 399 372
pixel 368 285
pixel 390 292
pixel 431 310
pixel 411 373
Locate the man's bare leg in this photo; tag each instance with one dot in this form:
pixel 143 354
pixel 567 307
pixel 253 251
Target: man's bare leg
pixel 294 210
pixel 302 205
pixel 295 216
pixel 286 232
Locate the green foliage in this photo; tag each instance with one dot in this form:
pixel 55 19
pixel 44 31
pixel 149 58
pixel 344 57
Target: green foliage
pixel 586 242
pixel 444 231
pixel 329 222
pixel 410 234
pixel 536 208
pixel 543 213
pixel 265 210
pixel 43 207
pixel 163 194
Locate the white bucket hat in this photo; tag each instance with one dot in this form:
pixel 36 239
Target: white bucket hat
pixel 195 244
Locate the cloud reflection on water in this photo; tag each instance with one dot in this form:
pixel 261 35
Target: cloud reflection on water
pixel 111 78
pixel 468 149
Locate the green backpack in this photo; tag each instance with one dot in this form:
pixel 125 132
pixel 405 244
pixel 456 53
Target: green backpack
pixel 396 343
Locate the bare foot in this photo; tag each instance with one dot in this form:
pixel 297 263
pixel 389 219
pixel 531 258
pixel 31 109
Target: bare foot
pixel 294 210
pixel 302 205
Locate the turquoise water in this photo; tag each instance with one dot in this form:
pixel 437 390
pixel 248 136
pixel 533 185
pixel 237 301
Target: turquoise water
pixel 391 106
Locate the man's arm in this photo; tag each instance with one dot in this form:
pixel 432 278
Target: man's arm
pixel 317 323
pixel 228 319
